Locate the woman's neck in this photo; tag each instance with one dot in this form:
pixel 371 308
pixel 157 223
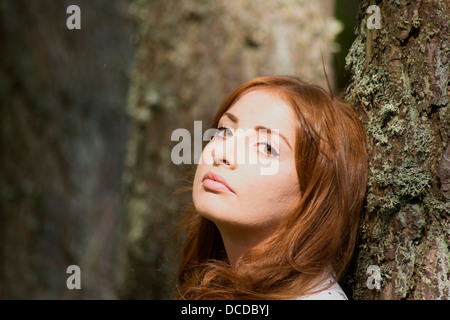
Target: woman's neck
pixel 238 241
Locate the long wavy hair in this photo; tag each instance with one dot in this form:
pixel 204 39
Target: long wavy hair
pixel 318 237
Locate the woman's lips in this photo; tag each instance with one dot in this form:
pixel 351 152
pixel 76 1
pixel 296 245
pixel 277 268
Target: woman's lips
pixel 215 182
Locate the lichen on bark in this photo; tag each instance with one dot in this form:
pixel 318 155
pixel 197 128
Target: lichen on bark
pixel 400 89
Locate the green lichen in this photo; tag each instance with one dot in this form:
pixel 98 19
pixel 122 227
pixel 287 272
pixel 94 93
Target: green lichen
pixel 387 111
pixel 410 180
pixel 400 87
pixel 395 127
pixel 386 274
pixel 401 184
pixel 423 141
pixel 375 130
pixel 444 116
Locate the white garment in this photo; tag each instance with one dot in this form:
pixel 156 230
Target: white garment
pixel 334 292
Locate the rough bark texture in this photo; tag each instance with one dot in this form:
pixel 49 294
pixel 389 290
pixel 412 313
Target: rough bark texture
pixel 401 89
pixel 191 54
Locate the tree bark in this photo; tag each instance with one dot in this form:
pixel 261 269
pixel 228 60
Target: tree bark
pixel 63 132
pixel 400 86
pixel 191 54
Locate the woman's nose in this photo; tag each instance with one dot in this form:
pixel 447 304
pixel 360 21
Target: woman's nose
pixel 224 153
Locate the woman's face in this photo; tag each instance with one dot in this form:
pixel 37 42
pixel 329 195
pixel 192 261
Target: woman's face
pixel 253 155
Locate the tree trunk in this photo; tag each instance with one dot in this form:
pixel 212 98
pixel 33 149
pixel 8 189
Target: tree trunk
pixel 191 54
pixel 63 133
pixel 400 87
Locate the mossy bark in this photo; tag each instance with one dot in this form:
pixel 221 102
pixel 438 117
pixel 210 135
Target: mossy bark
pixel 191 54
pixel 400 87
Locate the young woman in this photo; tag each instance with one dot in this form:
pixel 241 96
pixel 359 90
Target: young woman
pixel 288 233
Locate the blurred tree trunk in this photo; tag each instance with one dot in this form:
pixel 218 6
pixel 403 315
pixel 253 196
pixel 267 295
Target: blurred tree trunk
pixel 63 131
pixel 191 54
pixel 401 89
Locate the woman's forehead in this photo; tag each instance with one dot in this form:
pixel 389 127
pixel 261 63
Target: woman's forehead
pixel 262 107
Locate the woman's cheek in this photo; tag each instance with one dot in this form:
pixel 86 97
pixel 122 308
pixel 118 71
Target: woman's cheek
pixel 206 156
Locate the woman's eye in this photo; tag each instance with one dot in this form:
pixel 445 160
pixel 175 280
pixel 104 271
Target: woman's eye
pixel 224 132
pixel 267 149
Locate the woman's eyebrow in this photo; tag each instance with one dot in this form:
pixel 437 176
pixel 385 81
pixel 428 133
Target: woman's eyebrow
pixel 231 116
pixel 235 119
pixel 277 131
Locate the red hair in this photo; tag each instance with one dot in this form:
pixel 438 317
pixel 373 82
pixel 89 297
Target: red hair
pixel 318 237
